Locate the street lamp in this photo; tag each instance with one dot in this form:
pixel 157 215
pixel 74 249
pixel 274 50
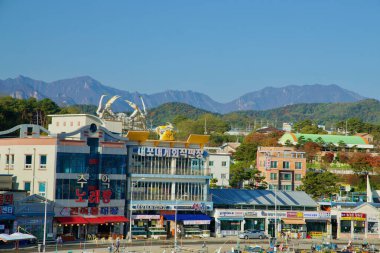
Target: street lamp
pixel 175 221
pixel 45 214
pixel 130 209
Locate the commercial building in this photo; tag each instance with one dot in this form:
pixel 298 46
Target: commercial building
pixel 294 213
pixel 354 220
pixel 282 167
pixel 92 175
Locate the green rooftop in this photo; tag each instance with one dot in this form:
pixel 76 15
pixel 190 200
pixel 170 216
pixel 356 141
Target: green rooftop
pixel 327 138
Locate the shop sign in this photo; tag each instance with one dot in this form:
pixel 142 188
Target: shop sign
pixel 168 152
pixel 150 207
pixel 6 199
pixel 199 206
pixel 273 214
pixel 145 217
pixel 105 210
pixel 250 214
pixel 94 196
pixel 372 219
pixel 353 216
pixel 196 222
pixel 6 209
pixel 231 213
pixel 294 214
pixel 317 215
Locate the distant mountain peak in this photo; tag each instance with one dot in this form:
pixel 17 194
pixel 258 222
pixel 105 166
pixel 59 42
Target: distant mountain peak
pixel 72 90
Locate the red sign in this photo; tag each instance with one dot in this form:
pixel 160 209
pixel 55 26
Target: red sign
pixel 6 199
pixel 94 196
pixel 353 216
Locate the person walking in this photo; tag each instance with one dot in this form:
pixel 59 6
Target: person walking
pixel 117 245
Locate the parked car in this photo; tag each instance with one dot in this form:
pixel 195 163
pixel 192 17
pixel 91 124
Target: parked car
pixel 252 234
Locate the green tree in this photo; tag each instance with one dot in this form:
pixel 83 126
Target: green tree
pixel 242 171
pixel 320 184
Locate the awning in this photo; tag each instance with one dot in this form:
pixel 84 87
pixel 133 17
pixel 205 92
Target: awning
pixel 189 219
pixel 231 218
pixel 91 220
pixel 294 221
pixel 95 220
pixel 71 220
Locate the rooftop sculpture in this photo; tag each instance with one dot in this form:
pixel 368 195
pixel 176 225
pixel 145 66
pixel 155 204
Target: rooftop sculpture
pixel 135 121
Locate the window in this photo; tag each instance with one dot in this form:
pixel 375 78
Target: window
pixel 286 187
pixel 43 159
pixel 224 163
pixel 42 188
pixel 286 176
pixel 359 227
pixel 273 164
pixel 298 165
pixel 27 186
pixel 273 176
pixel 28 161
pixel 285 165
pixel 298 177
pixel 10 161
pixel 272 186
pixel 211 163
pixel 223 176
pixel 345 226
pixel 29 131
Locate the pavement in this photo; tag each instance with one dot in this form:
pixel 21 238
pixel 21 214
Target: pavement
pixel 187 245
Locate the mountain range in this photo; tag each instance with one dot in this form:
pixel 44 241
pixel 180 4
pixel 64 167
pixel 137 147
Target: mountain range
pixel 86 90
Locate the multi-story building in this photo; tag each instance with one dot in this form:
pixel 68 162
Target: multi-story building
pixel 93 175
pixel 282 167
pixel 219 166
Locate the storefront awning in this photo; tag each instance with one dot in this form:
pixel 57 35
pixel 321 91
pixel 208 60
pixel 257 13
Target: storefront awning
pixel 71 220
pixel 190 218
pixel 294 221
pixel 91 220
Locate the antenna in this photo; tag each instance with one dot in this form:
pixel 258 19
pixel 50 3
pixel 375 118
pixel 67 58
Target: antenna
pixel 205 125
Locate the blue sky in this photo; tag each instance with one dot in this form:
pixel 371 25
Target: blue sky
pixel 222 48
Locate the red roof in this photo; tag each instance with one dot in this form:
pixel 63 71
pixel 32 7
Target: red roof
pixel 91 220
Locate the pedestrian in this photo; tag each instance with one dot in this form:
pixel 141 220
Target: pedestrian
pixel 117 245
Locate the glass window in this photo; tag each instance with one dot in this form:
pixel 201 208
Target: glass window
pixel 286 176
pixel 43 160
pixel 345 226
pixel 273 164
pixel 298 177
pixel 42 188
pixel 359 226
pixel 273 176
pixel 27 186
pixel 223 176
pixel 224 163
pixel 230 225
pixel 373 227
pixel 211 163
pixel 298 165
pixel 286 187
pixel 285 165
pixel 28 161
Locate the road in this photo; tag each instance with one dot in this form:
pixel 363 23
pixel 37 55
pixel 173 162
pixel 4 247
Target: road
pixel 188 245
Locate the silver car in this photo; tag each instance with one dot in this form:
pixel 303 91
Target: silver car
pixel 252 234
